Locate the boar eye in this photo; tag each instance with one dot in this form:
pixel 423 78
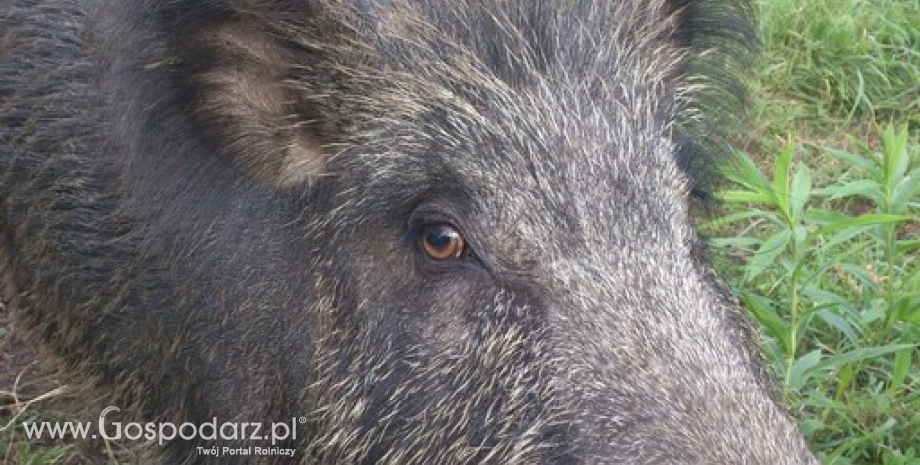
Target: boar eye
pixel 442 242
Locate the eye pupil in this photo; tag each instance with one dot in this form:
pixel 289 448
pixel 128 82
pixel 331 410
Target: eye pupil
pixel 442 242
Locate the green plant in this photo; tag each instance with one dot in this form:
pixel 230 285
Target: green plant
pixel 837 294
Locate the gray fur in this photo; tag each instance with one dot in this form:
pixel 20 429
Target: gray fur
pixel 214 209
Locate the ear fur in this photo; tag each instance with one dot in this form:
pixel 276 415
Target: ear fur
pixel 235 71
pixel 245 98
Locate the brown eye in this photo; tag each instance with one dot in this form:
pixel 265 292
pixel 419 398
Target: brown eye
pixel 442 242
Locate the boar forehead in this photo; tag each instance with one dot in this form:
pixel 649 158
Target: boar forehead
pixel 566 132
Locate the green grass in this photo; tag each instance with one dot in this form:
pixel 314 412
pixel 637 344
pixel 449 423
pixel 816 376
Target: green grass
pixel 833 61
pixel 18 448
pixel 821 231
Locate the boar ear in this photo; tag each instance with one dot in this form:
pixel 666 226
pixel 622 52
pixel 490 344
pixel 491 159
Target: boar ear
pixel 245 107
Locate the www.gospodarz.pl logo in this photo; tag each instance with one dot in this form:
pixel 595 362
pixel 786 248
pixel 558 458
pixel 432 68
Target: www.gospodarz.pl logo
pixel 162 432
